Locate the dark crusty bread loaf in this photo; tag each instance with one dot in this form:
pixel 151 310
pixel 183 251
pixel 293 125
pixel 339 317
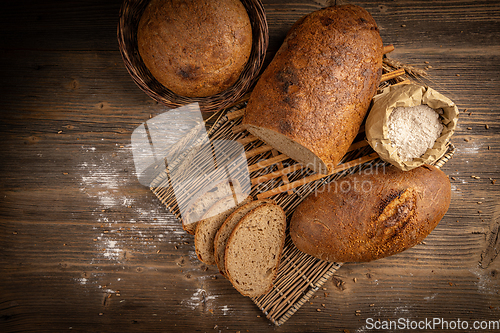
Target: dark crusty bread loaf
pixel 210 223
pixel 195 48
pixel 253 250
pixel 311 99
pixel 368 216
pixel 227 227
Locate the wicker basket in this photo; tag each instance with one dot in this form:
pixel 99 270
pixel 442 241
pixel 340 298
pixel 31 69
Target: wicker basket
pixel 130 14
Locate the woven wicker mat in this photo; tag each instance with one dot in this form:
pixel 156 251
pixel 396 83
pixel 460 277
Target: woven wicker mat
pixel 299 275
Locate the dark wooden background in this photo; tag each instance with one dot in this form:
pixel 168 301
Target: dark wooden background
pixel 85 247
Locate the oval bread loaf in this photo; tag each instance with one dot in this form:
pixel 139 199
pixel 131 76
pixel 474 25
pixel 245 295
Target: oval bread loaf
pixel 371 215
pixel 310 101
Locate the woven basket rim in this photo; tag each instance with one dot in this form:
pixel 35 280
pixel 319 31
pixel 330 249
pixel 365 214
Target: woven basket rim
pixel 129 16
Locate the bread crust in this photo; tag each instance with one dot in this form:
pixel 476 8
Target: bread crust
pixel 317 89
pixel 364 217
pixel 195 48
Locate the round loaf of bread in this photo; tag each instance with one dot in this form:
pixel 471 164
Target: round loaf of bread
pixel 195 48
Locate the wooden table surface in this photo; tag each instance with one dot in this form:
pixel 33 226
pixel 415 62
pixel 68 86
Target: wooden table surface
pixel 85 247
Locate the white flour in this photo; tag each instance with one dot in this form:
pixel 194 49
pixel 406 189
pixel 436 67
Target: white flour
pixel 147 229
pixel 150 227
pixel 412 130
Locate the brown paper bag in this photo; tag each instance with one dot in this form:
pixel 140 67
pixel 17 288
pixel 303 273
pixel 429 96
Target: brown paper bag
pixel 404 96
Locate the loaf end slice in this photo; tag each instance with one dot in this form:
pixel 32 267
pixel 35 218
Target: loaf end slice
pixel 254 248
pixel 205 200
pixel 208 226
pixel 227 227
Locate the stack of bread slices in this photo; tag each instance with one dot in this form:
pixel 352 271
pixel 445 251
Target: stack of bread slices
pixel 245 239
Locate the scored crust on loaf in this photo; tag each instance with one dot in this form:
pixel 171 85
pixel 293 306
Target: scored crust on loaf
pixel 254 248
pixel 368 216
pixel 227 227
pixel 211 221
pixel 207 199
pixel 311 99
pixel 195 48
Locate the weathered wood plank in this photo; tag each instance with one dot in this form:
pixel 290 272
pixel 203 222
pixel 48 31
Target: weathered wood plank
pixel 77 229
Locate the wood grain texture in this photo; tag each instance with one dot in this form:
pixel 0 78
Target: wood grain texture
pixel 85 247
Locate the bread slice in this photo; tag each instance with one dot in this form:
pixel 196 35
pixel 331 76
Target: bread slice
pixel 211 221
pixel 253 250
pixel 227 227
pixel 207 199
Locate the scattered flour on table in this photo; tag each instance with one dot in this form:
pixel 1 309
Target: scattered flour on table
pixel 146 226
pixel 203 300
pixel 485 284
pixel 82 281
pixel 430 298
pixel 225 310
pixel 412 130
pixel 200 297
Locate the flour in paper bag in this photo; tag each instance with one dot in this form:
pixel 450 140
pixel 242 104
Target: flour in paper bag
pixel 413 130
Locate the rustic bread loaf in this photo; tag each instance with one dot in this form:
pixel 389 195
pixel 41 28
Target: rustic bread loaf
pixel 211 221
pixel 227 227
pixel 206 199
pixel 195 48
pixel 368 216
pixel 253 250
pixel 310 101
